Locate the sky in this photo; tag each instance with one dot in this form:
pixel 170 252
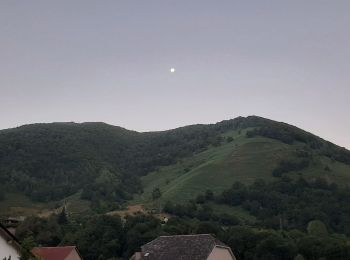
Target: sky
pixel 110 61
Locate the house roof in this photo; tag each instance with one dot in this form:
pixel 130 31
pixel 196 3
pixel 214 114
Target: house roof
pixel 184 247
pixel 7 233
pixel 10 237
pixel 53 253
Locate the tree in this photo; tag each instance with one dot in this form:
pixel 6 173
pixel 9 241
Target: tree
pixel 62 217
pixel 139 230
pixel 27 245
pixel 46 232
pixel 209 195
pixel 299 257
pixel 317 228
pixel 310 247
pixel 100 238
pixel 208 227
pixel 276 247
pixel 229 139
pixel 2 194
pixel 156 194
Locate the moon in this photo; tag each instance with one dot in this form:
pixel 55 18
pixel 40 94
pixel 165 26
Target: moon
pixel 172 70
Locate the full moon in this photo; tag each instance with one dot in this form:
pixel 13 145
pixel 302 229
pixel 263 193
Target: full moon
pixel 172 70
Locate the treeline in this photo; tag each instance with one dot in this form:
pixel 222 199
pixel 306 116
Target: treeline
pixel 107 237
pixel 289 134
pixel 286 134
pixel 200 211
pixel 290 165
pixel 290 204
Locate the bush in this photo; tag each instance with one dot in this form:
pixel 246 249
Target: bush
pixel 317 228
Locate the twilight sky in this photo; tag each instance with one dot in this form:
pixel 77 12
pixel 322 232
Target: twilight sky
pixel 109 61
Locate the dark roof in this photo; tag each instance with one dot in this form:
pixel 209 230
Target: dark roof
pixel 7 232
pixel 184 247
pixel 10 236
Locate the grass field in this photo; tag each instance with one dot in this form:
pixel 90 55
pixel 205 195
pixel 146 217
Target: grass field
pixel 217 168
pixel 19 205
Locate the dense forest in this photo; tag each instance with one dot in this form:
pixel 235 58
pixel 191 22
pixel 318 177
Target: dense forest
pixel 51 161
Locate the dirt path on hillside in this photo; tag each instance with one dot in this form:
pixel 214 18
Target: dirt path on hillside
pixel 131 210
pixel 48 213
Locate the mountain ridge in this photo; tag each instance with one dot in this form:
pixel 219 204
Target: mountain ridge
pixel 51 161
pixel 73 123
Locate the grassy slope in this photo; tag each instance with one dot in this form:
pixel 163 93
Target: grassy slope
pixel 19 205
pixel 16 204
pixel 217 168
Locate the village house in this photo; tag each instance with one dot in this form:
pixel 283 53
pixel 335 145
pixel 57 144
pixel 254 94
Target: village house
pixel 9 245
pixel 12 221
pixel 57 253
pixel 185 247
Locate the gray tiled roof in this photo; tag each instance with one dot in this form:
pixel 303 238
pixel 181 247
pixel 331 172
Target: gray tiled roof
pixel 183 247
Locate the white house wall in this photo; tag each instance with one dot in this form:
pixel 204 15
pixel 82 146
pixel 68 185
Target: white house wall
pixel 7 250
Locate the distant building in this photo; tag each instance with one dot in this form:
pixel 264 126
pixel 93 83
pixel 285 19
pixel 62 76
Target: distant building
pixel 12 221
pixel 185 247
pixel 9 245
pixel 57 253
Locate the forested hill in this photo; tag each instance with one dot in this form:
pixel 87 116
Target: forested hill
pixel 48 162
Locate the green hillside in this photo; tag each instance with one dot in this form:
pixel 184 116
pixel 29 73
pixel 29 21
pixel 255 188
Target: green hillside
pixel 106 165
pixel 243 160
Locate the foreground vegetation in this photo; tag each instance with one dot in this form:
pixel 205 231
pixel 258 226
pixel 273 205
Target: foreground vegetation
pixel 107 237
pixel 284 204
pixel 293 219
